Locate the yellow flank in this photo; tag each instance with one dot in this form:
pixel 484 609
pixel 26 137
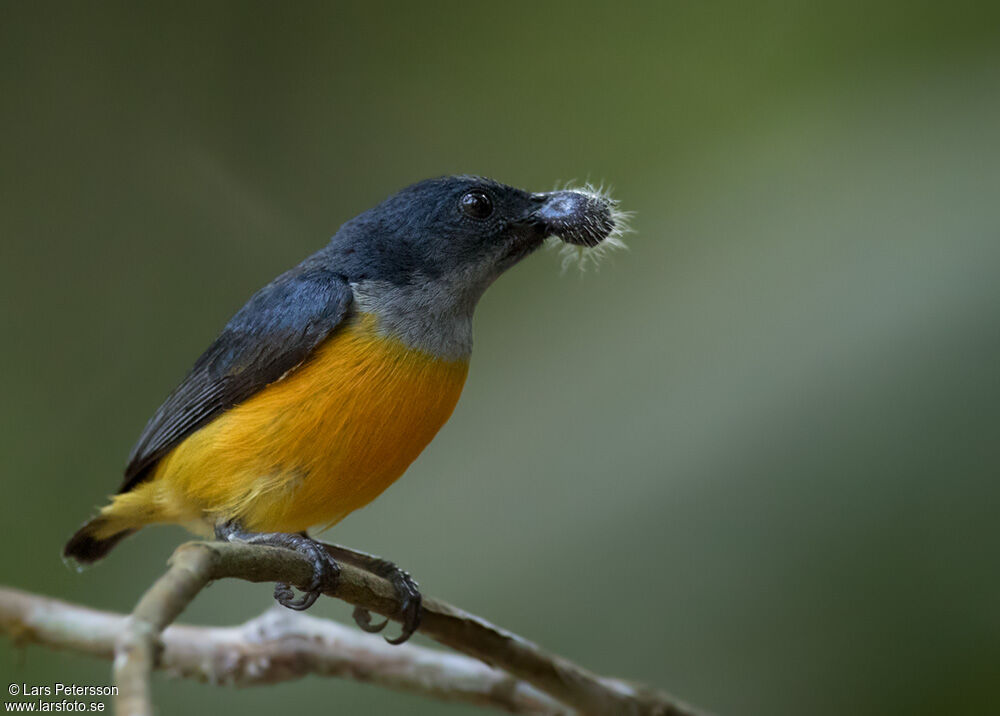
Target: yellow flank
pixel 308 449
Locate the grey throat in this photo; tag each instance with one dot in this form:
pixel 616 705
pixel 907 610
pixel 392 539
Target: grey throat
pixel 426 315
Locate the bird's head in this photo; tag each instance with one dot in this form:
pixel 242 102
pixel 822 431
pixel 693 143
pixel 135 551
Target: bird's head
pixel 468 230
pixel 434 247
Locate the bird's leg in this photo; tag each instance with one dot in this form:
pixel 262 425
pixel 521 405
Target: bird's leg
pixel 406 590
pixel 325 569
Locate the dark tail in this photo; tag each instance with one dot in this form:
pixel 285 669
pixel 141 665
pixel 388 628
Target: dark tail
pixel 86 548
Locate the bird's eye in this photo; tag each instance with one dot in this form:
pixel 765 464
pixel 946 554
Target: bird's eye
pixel 476 204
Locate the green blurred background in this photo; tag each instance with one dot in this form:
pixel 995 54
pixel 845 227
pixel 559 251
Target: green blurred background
pixel 752 460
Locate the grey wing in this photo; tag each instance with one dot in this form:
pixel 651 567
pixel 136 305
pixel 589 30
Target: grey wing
pixel 272 334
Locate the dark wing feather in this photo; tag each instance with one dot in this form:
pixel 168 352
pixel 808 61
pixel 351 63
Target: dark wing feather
pixel 271 335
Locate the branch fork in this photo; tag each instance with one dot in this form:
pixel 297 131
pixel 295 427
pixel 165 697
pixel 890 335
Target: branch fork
pixel 498 669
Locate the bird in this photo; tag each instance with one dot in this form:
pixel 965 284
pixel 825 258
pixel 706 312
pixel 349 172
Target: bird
pixel 329 382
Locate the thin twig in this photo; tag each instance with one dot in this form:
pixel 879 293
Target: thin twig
pixel 280 645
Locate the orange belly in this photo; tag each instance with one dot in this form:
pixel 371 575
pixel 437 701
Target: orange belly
pixel 313 447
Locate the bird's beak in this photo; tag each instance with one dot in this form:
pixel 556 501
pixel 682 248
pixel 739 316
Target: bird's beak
pixel 577 217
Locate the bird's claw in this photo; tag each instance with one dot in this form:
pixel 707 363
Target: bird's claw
pixel 363 618
pixel 409 604
pixel 408 594
pixel 285 596
pixel 325 572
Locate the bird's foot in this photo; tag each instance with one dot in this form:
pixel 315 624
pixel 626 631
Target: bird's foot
pixel 325 568
pixel 406 588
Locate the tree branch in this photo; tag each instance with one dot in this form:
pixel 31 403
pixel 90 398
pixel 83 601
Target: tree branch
pixel 195 564
pixel 280 645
